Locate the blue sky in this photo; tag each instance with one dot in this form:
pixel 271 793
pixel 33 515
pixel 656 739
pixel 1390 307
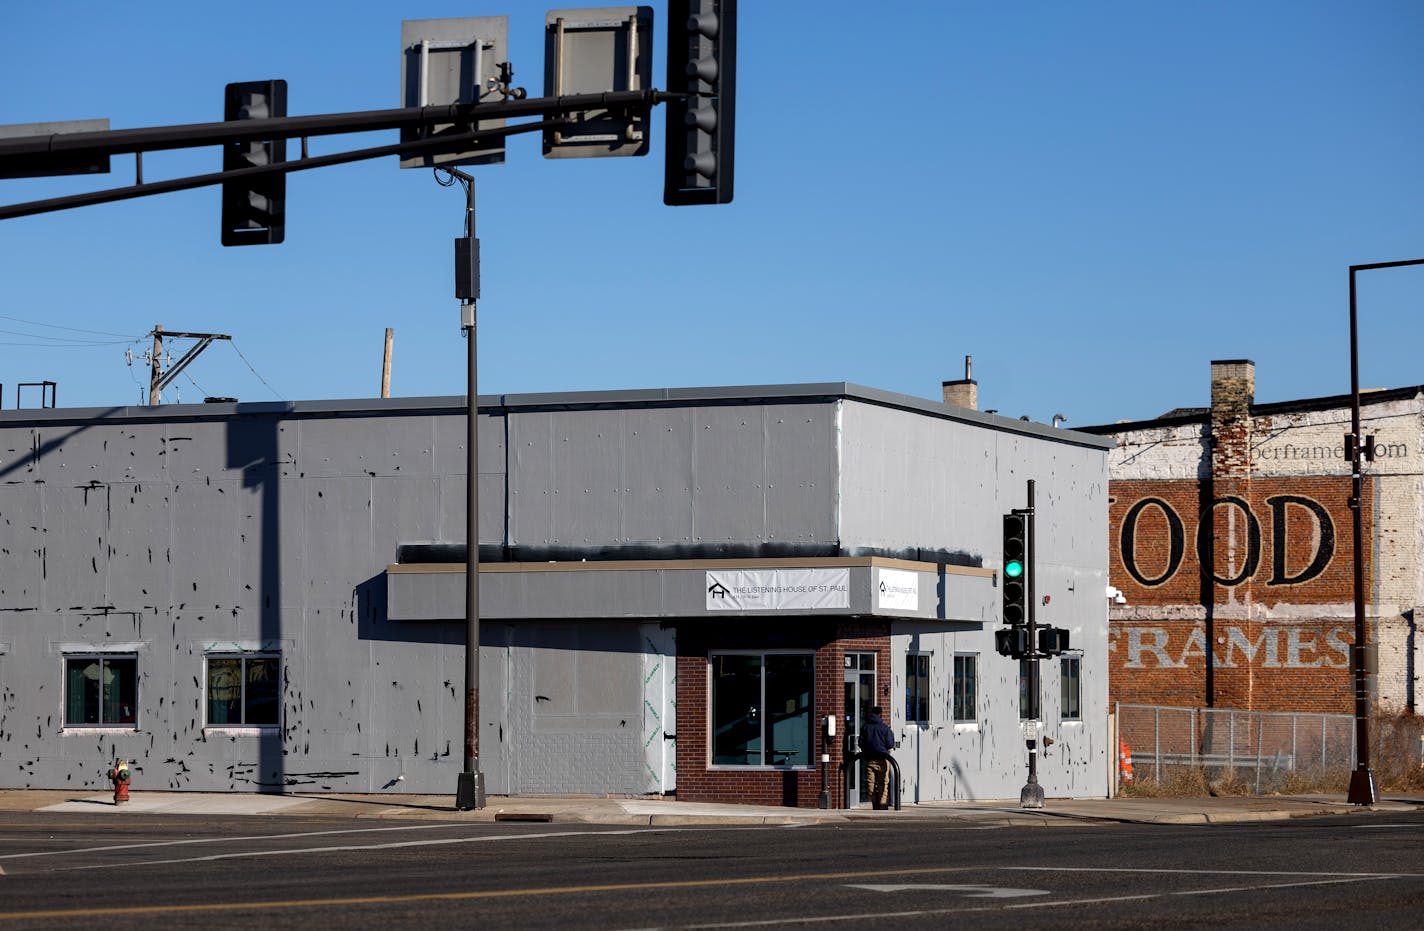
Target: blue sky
pixel 1092 199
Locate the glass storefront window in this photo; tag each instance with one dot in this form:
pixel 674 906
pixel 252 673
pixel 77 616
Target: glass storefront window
pixel 761 709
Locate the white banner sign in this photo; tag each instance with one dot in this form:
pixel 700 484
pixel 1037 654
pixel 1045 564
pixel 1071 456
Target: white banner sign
pixel 777 589
pixel 897 590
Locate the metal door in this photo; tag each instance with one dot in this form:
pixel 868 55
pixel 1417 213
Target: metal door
pixel 859 696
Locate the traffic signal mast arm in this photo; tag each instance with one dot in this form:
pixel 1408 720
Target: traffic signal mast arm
pixel 25 150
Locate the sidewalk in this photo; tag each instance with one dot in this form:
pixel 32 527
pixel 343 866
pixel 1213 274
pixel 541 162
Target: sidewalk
pixel 653 811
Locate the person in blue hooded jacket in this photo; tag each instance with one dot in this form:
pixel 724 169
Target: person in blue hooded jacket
pixel 876 742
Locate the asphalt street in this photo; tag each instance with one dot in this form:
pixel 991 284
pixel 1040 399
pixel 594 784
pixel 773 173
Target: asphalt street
pixel 67 870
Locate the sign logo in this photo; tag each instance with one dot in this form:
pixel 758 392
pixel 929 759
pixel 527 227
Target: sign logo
pixel 778 589
pixel 898 590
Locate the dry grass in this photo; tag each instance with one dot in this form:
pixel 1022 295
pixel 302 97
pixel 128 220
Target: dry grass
pixel 1394 745
pixel 1395 748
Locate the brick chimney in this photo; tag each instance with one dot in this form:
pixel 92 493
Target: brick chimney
pixel 1233 388
pixel 965 391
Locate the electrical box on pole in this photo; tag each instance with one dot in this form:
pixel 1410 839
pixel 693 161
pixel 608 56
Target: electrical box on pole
pixel 701 63
pixel 254 208
pixel 594 51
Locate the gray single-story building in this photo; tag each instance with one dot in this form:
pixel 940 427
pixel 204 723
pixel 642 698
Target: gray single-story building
pixel 678 587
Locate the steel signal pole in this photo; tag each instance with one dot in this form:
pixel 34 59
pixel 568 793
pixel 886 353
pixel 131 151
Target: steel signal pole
pixel 470 789
pixel 1031 796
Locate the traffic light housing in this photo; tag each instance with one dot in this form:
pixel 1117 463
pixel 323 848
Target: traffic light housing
pixel 1052 641
pixel 1012 642
pixel 702 63
pixel 254 208
pixel 1016 569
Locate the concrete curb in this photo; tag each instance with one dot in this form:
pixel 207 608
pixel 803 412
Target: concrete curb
pixel 656 812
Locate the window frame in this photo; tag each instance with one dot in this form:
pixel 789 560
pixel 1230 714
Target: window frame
pixel 103 658
pixel 956 705
pixel 917 697
pixel 810 764
pixel 1070 711
pixel 244 726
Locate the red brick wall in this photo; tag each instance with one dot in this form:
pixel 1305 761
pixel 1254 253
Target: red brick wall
pixel 830 639
pixel 1276 614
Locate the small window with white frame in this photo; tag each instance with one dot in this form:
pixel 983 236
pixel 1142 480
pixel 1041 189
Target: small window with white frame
pixel 243 690
pixel 1070 677
pixel 966 687
pixel 101 690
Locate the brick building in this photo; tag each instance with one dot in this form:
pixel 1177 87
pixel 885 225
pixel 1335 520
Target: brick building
pixel 1230 542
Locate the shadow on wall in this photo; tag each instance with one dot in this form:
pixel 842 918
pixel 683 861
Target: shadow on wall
pixel 372 622
pixel 44 448
pixel 253 448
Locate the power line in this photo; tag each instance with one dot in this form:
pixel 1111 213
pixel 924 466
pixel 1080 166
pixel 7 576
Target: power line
pixel 70 345
pixel 233 344
pixel 55 326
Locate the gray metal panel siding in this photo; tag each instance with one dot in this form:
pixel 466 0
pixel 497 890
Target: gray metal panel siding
pixel 533 485
pixel 729 475
pixel 917 482
pixel 76 522
pixel 659 476
pixel 576 712
pixel 735 474
pixel 22 520
pixel 801 473
pixel 591 593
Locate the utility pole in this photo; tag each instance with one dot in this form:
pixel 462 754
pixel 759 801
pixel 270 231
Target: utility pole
pixel 159 379
pixel 155 365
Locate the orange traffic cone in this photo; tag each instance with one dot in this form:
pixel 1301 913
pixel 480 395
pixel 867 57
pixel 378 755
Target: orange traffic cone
pixel 1124 757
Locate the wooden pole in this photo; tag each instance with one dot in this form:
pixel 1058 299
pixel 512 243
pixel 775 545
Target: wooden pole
pixel 155 366
pixel 386 365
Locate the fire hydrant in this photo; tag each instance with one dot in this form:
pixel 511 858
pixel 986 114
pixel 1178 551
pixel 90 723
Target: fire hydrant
pixel 119 775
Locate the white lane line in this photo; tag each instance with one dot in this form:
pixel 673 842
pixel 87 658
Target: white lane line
pixel 348 848
pixel 1334 874
pixel 218 840
pixel 977 891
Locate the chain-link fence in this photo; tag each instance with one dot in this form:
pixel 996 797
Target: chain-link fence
pixel 1261 749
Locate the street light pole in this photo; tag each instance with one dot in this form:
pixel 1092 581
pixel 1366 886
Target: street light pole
pixel 470 789
pixel 1362 780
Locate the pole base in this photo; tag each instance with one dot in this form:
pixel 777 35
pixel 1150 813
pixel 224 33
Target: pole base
pixel 470 791
pixel 1362 787
pixel 1031 796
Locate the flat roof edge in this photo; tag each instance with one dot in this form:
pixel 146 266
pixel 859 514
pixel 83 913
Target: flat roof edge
pixel 567 400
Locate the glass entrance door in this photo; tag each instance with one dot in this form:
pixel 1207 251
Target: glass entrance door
pixel 859 696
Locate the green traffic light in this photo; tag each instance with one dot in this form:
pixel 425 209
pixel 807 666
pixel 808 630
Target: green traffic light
pixel 1013 569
